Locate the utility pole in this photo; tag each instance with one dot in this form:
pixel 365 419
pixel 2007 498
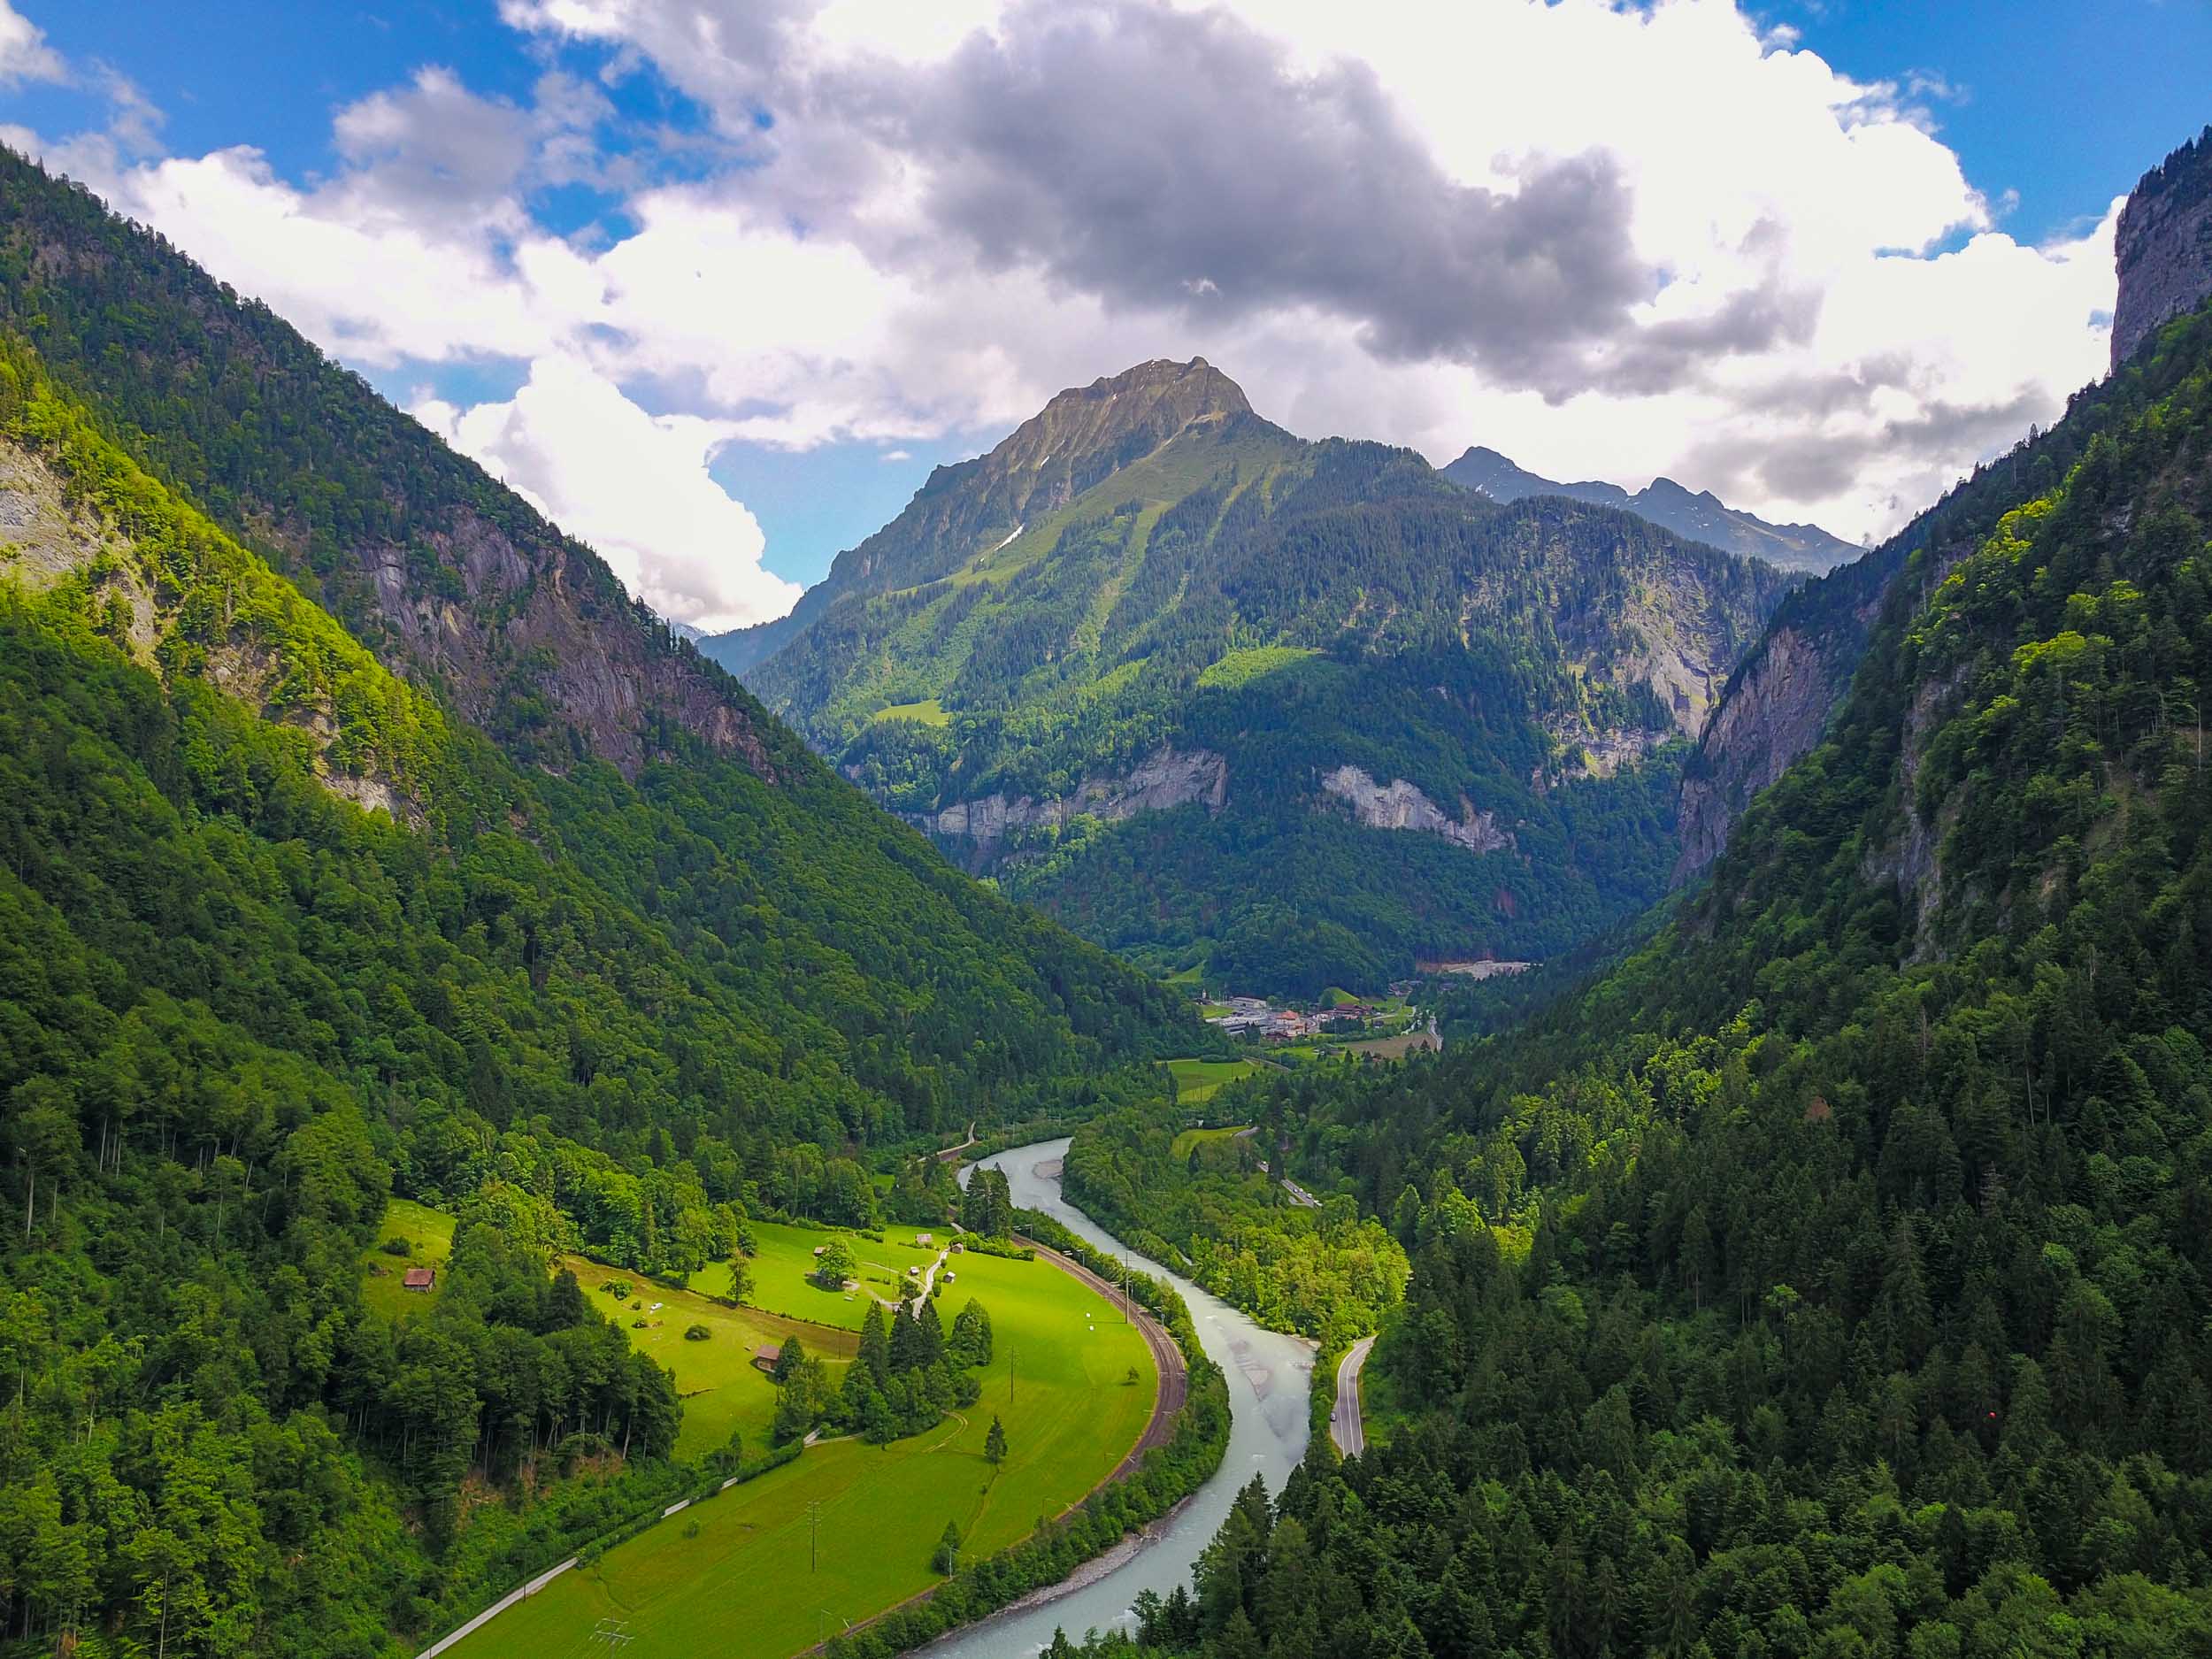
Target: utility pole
pixel 1012 1355
pixel 813 1526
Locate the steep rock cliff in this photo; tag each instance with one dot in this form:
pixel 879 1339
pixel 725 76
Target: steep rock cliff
pixel 1167 780
pixel 2165 247
pixel 1400 806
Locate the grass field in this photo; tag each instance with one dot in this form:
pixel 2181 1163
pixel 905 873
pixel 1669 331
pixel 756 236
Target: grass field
pixel 786 1256
pixel 1191 1138
pixel 1241 668
pixel 730 1575
pixel 929 713
pixel 431 1232
pixel 720 1387
pixel 1198 1081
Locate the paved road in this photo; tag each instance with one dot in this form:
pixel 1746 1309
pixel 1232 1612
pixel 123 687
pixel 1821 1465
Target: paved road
pixel 1298 1195
pixel 1345 1427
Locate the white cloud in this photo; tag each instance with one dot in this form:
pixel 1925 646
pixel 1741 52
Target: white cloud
pixel 1829 324
pixel 23 53
pixel 633 485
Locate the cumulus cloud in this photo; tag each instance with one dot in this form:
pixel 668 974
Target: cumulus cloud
pixel 23 53
pixel 1611 240
pixel 635 486
pixel 1248 184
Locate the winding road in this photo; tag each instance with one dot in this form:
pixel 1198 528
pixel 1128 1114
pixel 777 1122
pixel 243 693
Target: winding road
pixel 1345 1426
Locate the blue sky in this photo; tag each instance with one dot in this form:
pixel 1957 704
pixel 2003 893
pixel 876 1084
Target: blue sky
pixel 2063 104
pixel 269 72
pixel 2050 109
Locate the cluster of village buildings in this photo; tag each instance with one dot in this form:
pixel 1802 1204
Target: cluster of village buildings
pixel 1255 1017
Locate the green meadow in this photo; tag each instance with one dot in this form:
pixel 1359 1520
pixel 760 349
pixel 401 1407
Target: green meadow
pixel 784 1257
pixel 1191 1138
pixel 722 1389
pixel 430 1233
pixel 731 1575
pixel 1198 1081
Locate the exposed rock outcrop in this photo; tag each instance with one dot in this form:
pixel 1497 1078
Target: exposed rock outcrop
pixel 1773 714
pixel 46 536
pixel 1779 702
pixel 451 579
pixel 1586 753
pixel 1171 778
pixel 1401 805
pixel 2164 247
pixel 1910 859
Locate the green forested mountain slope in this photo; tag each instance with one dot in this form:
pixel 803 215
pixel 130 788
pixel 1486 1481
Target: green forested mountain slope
pixel 1303 708
pixel 282 932
pixel 1831 1276
pixel 677 792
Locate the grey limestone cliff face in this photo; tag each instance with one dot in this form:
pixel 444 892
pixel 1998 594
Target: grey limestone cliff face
pixel 1171 778
pixel 538 609
pixel 1910 859
pixel 2165 247
pixel 1400 806
pixel 1775 714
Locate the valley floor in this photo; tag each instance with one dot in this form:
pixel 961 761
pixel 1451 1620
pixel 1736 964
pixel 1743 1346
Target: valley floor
pixel 757 1570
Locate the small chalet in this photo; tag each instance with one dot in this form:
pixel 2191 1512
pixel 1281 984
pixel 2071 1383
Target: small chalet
pixel 420 1278
pixel 765 1359
pixel 925 1240
pixel 958 1248
pixel 820 1248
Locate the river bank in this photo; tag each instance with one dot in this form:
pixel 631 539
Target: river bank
pixel 1269 1376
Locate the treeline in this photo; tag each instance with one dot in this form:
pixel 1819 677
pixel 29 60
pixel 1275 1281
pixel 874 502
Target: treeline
pixel 237 1010
pixel 794 906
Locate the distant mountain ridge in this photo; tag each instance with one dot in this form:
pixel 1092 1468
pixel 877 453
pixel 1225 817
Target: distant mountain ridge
pixel 1207 691
pixel 1700 516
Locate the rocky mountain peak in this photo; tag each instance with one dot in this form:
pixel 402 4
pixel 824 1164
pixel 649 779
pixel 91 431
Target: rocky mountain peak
pixel 2164 247
pixel 1116 418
